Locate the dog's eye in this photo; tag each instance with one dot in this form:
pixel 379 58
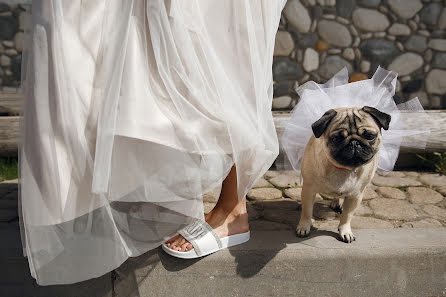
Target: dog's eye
pixel 337 138
pixel 369 136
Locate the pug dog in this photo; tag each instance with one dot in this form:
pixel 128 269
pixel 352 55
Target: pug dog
pixel 340 160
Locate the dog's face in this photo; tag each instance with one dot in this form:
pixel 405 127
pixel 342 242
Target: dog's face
pixel 352 136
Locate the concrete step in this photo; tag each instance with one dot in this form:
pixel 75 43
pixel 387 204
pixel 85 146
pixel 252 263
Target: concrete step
pixel 393 262
pixel 390 262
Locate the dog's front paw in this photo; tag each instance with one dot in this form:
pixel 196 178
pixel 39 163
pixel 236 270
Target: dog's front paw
pixel 303 229
pixel 346 234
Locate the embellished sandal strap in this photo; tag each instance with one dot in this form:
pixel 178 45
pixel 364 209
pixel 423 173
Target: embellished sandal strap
pixel 201 235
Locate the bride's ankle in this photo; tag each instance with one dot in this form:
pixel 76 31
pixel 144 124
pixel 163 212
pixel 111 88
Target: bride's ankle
pixel 227 210
pixel 223 214
pixel 239 211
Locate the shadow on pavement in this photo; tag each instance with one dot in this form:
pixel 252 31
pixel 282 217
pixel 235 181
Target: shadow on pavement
pixel 16 280
pixel 251 259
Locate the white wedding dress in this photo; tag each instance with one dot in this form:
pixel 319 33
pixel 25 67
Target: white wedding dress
pixel 134 109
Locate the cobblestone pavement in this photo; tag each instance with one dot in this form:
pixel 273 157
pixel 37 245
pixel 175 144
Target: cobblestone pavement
pixel 397 200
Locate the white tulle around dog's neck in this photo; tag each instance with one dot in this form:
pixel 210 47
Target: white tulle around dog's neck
pixel 377 92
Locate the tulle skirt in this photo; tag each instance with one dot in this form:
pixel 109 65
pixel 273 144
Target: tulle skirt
pixel 134 109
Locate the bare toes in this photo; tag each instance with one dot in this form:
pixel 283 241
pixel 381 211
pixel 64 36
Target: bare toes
pixel 173 245
pixel 180 244
pixel 182 241
pixel 176 245
pixel 172 239
pixel 184 246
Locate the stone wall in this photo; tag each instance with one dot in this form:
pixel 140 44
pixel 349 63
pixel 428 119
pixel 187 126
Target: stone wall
pixel 316 38
pixel 11 43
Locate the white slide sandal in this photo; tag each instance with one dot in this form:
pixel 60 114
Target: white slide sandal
pixel 204 240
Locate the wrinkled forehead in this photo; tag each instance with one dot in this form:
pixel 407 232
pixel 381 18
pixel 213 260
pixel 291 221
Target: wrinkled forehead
pixel 352 119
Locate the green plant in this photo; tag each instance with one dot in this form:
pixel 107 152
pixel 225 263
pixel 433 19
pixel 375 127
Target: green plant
pixel 437 161
pixel 8 168
pixel 325 197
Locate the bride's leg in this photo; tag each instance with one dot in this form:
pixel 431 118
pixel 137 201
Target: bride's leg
pixel 228 217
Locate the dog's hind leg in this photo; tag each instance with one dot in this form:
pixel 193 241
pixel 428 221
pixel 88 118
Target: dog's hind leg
pixel 336 204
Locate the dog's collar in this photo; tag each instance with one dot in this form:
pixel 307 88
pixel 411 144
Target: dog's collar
pixel 341 168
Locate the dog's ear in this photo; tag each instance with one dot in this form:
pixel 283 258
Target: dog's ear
pixel 381 118
pixel 320 125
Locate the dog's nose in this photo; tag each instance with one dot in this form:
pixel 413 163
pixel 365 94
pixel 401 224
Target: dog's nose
pixel 354 143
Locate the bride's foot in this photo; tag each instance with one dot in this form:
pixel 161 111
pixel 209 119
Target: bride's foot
pixel 223 222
